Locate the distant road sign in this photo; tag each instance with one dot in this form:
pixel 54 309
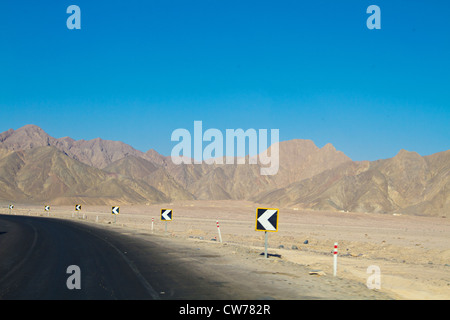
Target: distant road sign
pixel 166 214
pixel 47 208
pixel 78 207
pixel 115 210
pixel 267 219
pixel 11 206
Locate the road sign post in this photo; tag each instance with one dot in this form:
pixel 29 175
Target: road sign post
pixel 77 208
pixel 266 238
pixel 166 215
pixel 115 211
pixel 47 208
pixel 267 221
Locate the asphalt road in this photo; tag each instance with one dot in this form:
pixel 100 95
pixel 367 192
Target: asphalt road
pixel 117 263
pixel 35 253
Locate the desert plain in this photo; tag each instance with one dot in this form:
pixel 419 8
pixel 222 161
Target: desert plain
pixel 412 253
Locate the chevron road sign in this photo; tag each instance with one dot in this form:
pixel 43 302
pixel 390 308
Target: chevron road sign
pixel 166 214
pixel 115 210
pixel 47 208
pixel 267 219
pixel 78 207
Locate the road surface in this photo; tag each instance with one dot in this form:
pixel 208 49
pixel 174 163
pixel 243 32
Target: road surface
pixel 35 253
pixel 119 263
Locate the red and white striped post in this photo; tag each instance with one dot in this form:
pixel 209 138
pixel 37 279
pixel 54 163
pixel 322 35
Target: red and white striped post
pixel 335 259
pixel 152 224
pixel 218 229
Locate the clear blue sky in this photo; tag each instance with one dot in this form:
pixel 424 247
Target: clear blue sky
pixel 137 70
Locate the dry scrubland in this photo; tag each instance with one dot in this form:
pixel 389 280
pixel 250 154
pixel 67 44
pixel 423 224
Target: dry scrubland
pixel 412 252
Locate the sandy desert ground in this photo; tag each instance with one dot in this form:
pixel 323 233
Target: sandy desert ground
pixel 411 252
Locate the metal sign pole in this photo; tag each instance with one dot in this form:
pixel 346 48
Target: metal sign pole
pixel 266 236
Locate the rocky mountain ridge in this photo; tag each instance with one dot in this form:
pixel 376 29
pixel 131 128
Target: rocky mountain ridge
pixel 35 167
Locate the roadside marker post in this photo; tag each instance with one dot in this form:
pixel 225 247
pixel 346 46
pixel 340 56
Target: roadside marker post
pixel 267 221
pixel 11 206
pixel 152 223
pixel 47 208
pixel 335 251
pixel 218 229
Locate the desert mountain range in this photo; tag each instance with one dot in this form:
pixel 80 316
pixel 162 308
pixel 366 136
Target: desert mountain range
pixel 37 168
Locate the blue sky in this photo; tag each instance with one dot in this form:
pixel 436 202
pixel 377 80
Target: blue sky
pixel 137 70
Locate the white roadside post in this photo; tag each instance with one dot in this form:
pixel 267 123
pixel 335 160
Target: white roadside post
pixel 335 259
pixel 218 229
pixel 152 224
